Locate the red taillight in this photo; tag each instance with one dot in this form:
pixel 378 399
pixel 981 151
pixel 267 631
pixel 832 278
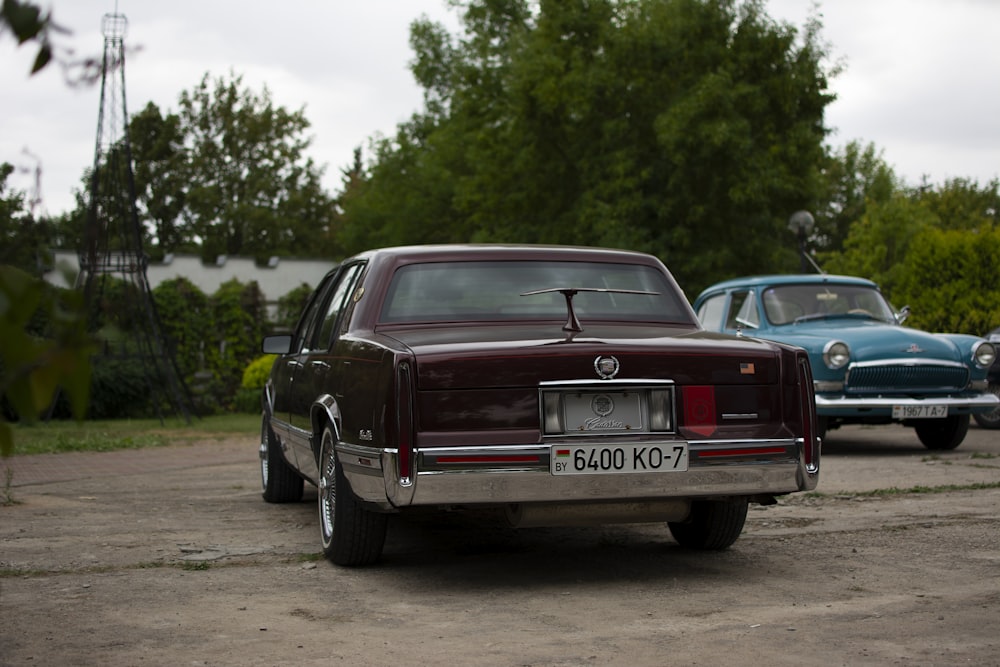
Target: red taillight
pixel 699 409
pixel 807 401
pixel 404 422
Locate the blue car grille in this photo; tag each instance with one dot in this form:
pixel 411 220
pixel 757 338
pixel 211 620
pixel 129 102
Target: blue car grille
pixel 907 379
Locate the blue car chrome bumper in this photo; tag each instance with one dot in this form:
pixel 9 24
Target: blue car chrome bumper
pixel 881 406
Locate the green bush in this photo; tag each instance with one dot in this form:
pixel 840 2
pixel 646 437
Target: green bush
pixel 240 321
pixel 255 375
pixel 120 389
pixel 186 321
pixel 949 280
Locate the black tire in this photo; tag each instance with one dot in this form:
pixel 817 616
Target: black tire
pixel 942 434
pixel 990 419
pixel 351 534
pixel 822 427
pixel 713 525
pixel 279 482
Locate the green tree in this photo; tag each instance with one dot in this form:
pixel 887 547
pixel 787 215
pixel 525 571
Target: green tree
pixel 964 204
pixel 161 177
pixel 880 240
pixel 249 190
pixel 877 243
pixel 855 177
pixel 949 280
pixel 686 128
pixel 24 241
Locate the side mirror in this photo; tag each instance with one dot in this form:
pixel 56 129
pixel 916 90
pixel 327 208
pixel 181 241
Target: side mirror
pixel 276 345
pixel 903 313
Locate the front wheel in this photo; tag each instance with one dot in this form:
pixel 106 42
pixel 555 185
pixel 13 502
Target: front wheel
pixel 941 434
pixel 990 419
pixel 352 535
pixel 712 525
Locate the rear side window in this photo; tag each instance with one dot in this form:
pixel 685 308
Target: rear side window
pixel 477 291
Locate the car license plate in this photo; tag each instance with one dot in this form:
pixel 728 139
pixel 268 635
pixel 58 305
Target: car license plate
pixel 919 411
pixel 606 412
pixel 611 459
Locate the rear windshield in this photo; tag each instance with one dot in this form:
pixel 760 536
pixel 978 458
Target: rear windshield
pixel 479 291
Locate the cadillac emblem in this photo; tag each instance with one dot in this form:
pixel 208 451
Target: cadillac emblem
pixel 602 405
pixel 913 349
pixel 606 367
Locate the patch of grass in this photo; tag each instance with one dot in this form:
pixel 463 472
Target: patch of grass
pixel 198 566
pixel 106 435
pixel 308 558
pixel 983 455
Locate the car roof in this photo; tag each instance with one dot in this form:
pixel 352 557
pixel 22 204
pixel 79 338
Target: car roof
pixel 789 279
pixel 488 251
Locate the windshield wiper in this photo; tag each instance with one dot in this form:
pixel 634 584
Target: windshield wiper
pixel 572 323
pixel 810 317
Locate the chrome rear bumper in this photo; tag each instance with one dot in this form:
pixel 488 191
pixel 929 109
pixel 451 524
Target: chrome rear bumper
pixel 717 468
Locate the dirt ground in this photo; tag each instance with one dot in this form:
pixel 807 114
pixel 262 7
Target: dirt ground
pixel 180 562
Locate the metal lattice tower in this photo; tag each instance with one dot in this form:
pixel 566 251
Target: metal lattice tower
pixel 113 246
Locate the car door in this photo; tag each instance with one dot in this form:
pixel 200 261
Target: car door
pixel 286 367
pixel 314 374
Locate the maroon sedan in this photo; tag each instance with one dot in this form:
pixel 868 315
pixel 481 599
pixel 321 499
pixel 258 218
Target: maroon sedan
pixel 556 385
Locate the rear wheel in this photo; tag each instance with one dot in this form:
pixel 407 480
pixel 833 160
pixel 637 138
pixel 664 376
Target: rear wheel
pixel 279 483
pixel 352 535
pixel 712 524
pixel 990 419
pixel 947 433
pixel 822 426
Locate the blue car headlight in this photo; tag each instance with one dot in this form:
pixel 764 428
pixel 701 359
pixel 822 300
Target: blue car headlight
pixel 983 354
pixel 836 354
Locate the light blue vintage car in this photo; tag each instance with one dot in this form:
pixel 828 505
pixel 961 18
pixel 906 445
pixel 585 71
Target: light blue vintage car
pixel 867 367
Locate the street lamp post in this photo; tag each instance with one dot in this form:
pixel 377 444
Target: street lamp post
pixel 802 223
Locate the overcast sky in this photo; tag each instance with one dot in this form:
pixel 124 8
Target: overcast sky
pixel 922 77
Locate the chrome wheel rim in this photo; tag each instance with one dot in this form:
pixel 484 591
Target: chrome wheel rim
pixel 263 455
pixel 327 490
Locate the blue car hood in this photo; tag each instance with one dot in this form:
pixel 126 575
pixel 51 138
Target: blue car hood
pixel 868 340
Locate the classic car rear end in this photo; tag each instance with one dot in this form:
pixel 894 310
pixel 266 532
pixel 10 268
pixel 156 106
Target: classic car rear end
pixel 557 385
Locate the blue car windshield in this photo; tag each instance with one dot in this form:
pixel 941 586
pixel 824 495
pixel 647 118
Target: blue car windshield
pixel 787 304
pixel 500 291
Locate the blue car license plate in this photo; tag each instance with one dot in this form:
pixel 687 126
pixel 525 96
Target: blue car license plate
pixel 919 411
